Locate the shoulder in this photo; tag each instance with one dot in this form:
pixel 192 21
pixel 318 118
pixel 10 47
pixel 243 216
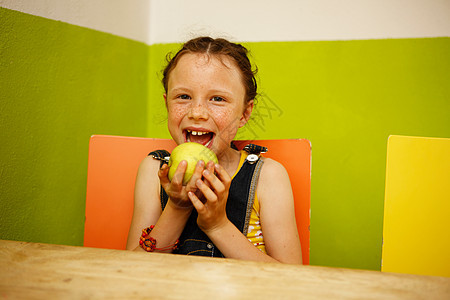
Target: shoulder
pixel 273 170
pixel 149 164
pixel 273 180
pixel 147 174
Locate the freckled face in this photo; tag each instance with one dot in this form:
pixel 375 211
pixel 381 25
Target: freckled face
pixel 205 101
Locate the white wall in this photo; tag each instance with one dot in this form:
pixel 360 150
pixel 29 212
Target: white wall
pixel 129 19
pixel 166 21
pixel 290 20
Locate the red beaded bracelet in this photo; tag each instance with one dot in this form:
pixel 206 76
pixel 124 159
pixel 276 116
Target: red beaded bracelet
pixel 149 244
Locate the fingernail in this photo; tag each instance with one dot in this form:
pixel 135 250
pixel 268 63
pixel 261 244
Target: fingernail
pixel 206 172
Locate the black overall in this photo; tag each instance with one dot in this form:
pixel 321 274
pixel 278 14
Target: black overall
pixel 193 241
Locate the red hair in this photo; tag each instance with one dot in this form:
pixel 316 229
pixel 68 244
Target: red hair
pixel 210 46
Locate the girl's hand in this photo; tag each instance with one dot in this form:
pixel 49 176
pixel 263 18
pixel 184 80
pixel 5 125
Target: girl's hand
pixel 214 188
pixel 175 190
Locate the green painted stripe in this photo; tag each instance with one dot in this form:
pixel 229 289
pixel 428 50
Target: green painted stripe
pixel 60 84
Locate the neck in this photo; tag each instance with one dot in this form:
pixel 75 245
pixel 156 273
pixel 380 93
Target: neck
pixel 230 161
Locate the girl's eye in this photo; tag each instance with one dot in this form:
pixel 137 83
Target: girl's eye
pixel 184 97
pixel 217 99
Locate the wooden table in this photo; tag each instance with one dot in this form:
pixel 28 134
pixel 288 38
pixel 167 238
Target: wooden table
pixel 42 271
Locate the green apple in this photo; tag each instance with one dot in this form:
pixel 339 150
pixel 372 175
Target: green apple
pixel 192 153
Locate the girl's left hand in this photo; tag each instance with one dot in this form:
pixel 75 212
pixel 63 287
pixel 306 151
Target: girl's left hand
pixel 212 211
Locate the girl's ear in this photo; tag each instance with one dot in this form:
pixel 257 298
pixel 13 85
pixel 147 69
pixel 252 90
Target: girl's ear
pixel 165 99
pixel 246 114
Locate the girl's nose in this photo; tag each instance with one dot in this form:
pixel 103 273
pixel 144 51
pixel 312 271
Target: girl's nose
pixel 198 111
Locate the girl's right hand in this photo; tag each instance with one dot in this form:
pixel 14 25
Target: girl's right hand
pixel 178 194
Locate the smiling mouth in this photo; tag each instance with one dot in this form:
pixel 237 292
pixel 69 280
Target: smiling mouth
pixel 201 137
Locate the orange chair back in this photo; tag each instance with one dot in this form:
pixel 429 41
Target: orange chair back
pixel 112 168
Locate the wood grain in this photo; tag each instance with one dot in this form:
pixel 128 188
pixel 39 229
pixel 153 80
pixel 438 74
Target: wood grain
pixel 38 271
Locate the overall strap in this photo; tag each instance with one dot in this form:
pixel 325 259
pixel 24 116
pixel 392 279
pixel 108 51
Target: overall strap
pixel 163 156
pixel 255 149
pixel 252 193
pixel 254 152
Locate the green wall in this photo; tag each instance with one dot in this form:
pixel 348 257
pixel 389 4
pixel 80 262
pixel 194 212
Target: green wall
pixel 346 97
pixel 59 84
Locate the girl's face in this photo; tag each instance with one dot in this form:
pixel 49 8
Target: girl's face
pixel 205 101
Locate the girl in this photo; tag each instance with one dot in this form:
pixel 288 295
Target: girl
pixel 209 93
